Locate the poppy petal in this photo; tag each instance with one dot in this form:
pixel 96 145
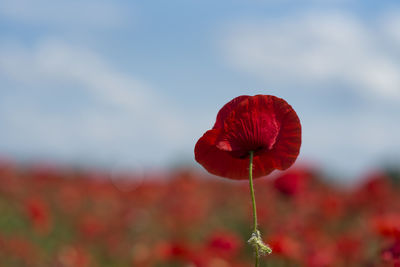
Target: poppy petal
pixel 227 109
pixel 287 147
pixel 217 161
pixel 221 163
pixel 251 126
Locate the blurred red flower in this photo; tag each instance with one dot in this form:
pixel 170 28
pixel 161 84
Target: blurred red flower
pixel 292 182
pixel 265 124
pixel 39 214
pixel 392 254
pixel 285 246
pixel 387 225
pixel 224 244
pixel 174 250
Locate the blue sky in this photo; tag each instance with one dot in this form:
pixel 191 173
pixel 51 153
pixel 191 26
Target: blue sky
pixel 137 83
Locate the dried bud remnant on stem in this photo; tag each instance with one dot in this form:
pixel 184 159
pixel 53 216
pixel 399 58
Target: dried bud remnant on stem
pixel 256 242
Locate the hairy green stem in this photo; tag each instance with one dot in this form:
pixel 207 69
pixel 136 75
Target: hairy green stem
pixel 260 248
pixel 253 199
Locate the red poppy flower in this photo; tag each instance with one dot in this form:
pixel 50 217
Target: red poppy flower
pixel 264 124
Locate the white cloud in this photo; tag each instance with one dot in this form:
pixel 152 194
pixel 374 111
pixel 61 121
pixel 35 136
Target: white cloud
pixel 316 49
pixel 124 115
pixel 77 14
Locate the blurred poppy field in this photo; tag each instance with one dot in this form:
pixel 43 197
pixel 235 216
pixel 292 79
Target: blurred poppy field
pixel 52 216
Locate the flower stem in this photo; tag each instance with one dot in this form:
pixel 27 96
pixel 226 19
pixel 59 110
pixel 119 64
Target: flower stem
pixel 260 248
pixel 253 199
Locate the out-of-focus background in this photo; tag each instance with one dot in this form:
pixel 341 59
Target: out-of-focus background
pixel 102 102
